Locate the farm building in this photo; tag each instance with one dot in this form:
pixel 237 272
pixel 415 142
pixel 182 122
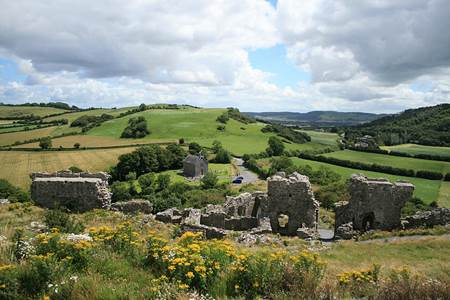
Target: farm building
pixel 195 166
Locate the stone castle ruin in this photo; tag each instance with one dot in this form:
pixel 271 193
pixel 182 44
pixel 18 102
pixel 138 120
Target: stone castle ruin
pixel 289 208
pixel 374 204
pixel 76 191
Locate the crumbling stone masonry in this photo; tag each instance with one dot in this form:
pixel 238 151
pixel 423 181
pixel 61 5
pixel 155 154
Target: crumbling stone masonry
pixel 374 204
pixel 291 204
pixel 75 191
pixel 255 213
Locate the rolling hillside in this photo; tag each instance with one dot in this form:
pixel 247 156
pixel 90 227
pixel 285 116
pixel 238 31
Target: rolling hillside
pixel 425 125
pixel 317 118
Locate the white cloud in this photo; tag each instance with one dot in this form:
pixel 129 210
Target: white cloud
pixel 362 55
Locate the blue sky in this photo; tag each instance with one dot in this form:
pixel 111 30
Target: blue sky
pixel 274 60
pixel 9 71
pixel 213 53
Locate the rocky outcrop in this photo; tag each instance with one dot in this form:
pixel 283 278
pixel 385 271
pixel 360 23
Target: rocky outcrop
pixel 435 217
pixel 75 191
pixel 133 206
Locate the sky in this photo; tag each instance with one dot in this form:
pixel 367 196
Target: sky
pixel 378 56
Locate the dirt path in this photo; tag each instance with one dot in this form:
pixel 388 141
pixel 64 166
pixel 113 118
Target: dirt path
pixel 248 175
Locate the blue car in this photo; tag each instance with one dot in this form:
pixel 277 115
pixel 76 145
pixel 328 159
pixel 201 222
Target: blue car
pixel 240 177
pixel 237 181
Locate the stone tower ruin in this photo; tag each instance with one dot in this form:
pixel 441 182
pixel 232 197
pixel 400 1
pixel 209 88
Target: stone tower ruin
pixel 291 204
pixel 374 204
pixel 76 191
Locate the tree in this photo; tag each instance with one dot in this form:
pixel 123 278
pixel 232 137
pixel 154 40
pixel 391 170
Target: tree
pixel 222 157
pixel 76 145
pixel 142 107
pixel 210 180
pixel 163 181
pixel 194 148
pixel 137 128
pixel 120 191
pixel 276 146
pixel 216 146
pixel 45 143
pixel 177 155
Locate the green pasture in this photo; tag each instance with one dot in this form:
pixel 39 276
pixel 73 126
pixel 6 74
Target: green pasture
pixel 393 161
pixel 225 172
pixel 427 190
pixel 20 111
pixel 419 149
pixel 198 125
pixel 325 138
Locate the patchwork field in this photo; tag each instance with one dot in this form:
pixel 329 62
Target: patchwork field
pixel 11 138
pixel 19 111
pixel 427 190
pixel 15 166
pixel 198 125
pixel 419 149
pixel 394 161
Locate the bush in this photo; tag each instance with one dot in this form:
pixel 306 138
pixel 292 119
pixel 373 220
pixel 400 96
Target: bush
pixel 429 175
pixel 276 147
pixel 223 118
pixel 222 157
pixel 77 145
pixel 45 143
pixel 12 193
pixel 287 133
pixel 137 128
pixel 56 218
pixel 194 148
pixel 447 177
pixel 210 180
pixel 75 169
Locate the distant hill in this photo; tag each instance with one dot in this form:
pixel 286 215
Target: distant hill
pixel 317 118
pixel 425 125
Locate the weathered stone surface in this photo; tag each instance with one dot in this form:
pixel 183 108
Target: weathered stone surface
pixel 437 216
pixel 75 191
pixel 133 206
pixel 263 226
pixel 374 203
pixel 242 205
pixel 291 197
pixel 208 231
pixel 171 215
pixel 345 232
pixel 191 216
pixel 307 233
pixel 249 239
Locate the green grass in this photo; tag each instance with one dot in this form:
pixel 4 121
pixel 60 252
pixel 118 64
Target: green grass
pixel 394 161
pixel 95 112
pixel 20 111
pixel 198 125
pixel 19 128
pixel 419 149
pixel 427 190
pixel 224 171
pixel 444 194
pixel 325 138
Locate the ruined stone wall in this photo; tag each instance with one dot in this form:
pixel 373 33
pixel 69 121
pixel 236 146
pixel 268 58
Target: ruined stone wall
pixel 292 199
pixel 374 203
pixel 75 191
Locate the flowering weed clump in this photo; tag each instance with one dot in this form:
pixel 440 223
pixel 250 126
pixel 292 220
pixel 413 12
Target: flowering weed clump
pixel 270 273
pixel 359 283
pixel 190 261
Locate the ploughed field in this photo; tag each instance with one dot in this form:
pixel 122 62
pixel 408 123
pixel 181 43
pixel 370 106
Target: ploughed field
pixel 393 161
pixel 415 149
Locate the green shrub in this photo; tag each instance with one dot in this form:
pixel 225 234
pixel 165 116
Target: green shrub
pixel 45 142
pixel 14 194
pixel 210 180
pixel 64 222
pixel 137 128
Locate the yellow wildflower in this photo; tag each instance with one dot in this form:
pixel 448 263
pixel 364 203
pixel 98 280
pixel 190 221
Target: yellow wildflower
pixel 171 268
pixel 183 286
pixel 190 275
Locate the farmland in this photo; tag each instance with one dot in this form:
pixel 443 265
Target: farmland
pixel 325 138
pixel 394 161
pixel 427 190
pixel 20 111
pixel 15 166
pixel 224 172
pixel 198 125
pixel 419 149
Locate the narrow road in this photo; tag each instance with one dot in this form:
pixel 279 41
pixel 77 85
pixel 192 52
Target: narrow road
pixel 248 175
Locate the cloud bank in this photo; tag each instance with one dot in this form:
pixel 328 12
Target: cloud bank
pixel 364 56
